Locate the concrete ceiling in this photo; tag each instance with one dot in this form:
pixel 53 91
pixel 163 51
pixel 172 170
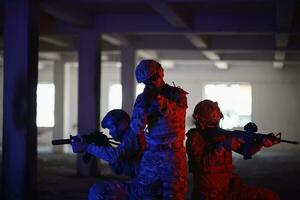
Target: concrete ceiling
pixel 220 32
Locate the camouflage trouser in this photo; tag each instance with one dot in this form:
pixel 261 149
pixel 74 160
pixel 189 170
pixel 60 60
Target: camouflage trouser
pixel 162 175
pixel 113 190
pixel 240 191
pixel 253 193
pixel 230 188
pixel 244 193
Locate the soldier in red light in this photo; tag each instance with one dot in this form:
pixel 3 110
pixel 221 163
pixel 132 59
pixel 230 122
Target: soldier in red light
pixel 211 164
pixel 160 109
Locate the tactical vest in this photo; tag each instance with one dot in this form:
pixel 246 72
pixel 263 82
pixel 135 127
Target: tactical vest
pixel 216 160
pixel 166 117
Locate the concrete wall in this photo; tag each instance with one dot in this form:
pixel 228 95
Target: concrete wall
pixel 275 93
pixel 45 75
pixel 109 76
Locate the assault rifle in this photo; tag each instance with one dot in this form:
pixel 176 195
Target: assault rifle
pixel 97 138
pixel 249 137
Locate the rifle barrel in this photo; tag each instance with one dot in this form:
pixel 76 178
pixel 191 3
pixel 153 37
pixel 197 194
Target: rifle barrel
pixel 60 142
pixel 68 141
pixel 289 141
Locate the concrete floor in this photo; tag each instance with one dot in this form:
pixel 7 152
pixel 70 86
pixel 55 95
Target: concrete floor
pixel 279 171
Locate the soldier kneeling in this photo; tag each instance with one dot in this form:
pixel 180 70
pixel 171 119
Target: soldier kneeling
pixel 211 164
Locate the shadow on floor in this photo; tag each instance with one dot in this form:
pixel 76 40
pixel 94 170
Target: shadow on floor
pixel 279 171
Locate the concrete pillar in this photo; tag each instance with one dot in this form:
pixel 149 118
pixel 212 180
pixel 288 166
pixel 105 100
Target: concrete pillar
pixel 1 97
pixel 128 78
pixel 89 93
pixel 58 130
pixel 19 102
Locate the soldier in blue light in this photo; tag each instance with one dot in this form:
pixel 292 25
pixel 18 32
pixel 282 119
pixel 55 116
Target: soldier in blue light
pixel 159 112
pixel 124 159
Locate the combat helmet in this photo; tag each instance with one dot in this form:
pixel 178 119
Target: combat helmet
pixel 207 114
pixel 113 117
pixel 147 68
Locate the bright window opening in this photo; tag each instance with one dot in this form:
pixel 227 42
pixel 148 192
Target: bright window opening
pixel 45 105
pixel 115 95
pixel 235 102
pixel 139 88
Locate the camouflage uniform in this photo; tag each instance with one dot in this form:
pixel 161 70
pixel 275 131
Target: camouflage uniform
pixel 161 109
pixel 124 159
pixel 163 165
pixel 211 164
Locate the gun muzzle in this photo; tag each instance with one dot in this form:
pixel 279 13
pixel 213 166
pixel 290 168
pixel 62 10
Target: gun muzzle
pixel 289 141
pixel 61 142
